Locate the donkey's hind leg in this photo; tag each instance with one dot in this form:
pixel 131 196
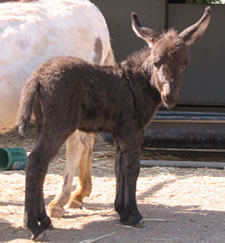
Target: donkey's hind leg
pixel 45 149
pixel 79 152
pixel 85 165
pixel 74 150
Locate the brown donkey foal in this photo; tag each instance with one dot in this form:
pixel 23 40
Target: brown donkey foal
pixel 73 94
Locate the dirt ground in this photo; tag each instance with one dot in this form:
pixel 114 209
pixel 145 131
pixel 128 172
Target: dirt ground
pixel 178 205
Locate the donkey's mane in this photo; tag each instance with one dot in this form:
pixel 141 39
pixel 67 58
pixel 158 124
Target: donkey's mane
pixel 135 60
pixel 172 39
pixel 171 33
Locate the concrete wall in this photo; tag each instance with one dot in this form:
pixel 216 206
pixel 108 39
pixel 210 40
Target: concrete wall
pixel 204 81
pixel 152 13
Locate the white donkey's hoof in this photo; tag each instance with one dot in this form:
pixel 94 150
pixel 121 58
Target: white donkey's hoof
pixel 55 211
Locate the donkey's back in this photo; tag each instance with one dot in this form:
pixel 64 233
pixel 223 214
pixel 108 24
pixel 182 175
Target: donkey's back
pixel 69 85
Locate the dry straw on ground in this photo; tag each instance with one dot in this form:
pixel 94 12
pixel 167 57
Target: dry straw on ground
pixel 178 205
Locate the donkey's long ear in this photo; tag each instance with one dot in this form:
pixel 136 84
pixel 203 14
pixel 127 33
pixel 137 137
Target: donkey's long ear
pixel 195 31
pixel 149 35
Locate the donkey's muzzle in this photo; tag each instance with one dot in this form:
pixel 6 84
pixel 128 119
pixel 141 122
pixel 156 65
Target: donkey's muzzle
pixel 169 95
pixel 169 101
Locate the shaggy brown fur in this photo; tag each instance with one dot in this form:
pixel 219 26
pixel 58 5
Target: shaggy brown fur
pixel 121 100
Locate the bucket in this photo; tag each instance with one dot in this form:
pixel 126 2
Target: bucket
pixel 12 158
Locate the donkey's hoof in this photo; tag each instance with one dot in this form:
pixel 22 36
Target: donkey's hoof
pixel 135 221
pixel 140 224
pixel 74 204
pixel 50 227
pixel 56 211
pixel 40 237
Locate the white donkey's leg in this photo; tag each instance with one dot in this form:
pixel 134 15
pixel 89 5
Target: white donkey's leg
pixel 74 151
pixel 84 185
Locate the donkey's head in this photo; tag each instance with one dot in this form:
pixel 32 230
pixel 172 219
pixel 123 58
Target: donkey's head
pixel 169 55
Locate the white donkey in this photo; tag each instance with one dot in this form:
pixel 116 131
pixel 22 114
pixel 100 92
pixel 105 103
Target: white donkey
pixel 32 32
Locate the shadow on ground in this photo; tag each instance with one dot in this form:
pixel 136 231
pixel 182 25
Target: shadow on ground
pixel 162 224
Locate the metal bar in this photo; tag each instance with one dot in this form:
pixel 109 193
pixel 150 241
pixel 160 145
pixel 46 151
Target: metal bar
pixel 182 115
pixel 182 164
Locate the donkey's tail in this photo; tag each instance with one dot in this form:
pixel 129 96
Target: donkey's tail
pixel 26 105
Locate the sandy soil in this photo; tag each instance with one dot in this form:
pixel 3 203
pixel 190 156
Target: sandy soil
pixel 178 205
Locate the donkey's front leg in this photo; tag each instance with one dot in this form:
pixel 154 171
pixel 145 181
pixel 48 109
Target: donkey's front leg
pixel 120 187
pixel 131 171
pixel 127 171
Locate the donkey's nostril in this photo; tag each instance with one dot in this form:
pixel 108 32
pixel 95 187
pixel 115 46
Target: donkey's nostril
pixel 168 100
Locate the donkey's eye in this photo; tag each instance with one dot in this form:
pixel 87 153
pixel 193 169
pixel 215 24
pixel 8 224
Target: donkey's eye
pixel 183 68
pixel 157 64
